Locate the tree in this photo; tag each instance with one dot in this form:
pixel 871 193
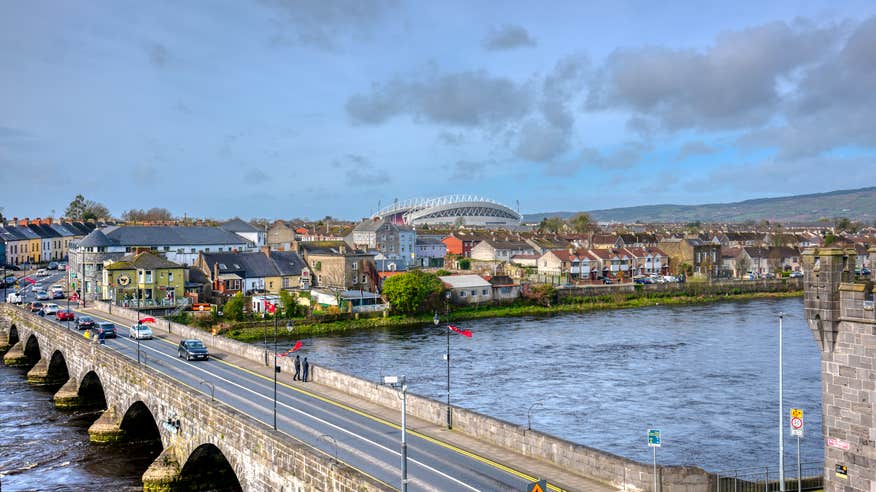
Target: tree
pixel 743 265
pixel 464 264
pixel 413 292
pixel 76 208
pixel 290 303
pixel 233 309
pixel 841 224
pixel 82 209
pixel 154 214
pixel 582 223
pixel 551 224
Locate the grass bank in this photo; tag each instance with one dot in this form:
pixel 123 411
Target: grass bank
pixel 565 306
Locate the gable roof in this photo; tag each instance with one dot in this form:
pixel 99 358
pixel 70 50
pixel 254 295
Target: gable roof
pixel 238 225
pixel 464 281
pixel 144 260
pixel 288 262
pixel 171 236
pixel 252 264
pixel 96 239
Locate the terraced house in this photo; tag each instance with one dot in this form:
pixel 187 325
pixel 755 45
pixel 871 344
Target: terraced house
pixel 143 278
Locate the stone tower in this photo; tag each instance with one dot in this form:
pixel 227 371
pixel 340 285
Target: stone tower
pixel 839 310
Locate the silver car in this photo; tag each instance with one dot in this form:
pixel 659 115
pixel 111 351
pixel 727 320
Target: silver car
pixel 140 332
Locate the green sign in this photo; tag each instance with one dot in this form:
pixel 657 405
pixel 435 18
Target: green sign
pixel 654 440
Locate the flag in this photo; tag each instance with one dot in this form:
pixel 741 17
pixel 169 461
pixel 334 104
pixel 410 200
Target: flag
pixel 296 347
pixel 147 319
pixel 465 333
pixel 29 280
pixel 269 307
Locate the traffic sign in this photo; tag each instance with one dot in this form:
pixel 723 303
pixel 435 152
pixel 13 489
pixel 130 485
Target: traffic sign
pixel 654 439
pixel 796 422
pixel 540 486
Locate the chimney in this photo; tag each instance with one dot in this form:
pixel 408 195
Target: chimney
pixel 266 250
pixel 24 221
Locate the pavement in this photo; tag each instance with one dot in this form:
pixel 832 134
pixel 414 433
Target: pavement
pixel 559 478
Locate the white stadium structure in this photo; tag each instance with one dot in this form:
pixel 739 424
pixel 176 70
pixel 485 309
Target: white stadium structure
pixel 450 210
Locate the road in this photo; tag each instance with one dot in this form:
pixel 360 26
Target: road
pixel 362 441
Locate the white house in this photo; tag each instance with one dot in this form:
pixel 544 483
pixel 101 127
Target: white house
pixel 468 289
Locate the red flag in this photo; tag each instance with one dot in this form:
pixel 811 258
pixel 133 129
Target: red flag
pixel 147 319
pixel 29 280
pixel 296 347
pixel 465 333
pixel 271 308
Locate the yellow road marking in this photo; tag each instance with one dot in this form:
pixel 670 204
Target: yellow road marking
pixel 425 437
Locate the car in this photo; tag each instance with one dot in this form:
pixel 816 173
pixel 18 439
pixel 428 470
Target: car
pixel 140 332
pixel 9 280
pixel 42 272
pixel 13 298
pixel 671 279
pixel 606 280
pixel 50 308
pixel 57 294
pixel 192 349
pixel 56 287
pixel 65 314
pixel 84 323
pixel 865 271
pixel 42 295
pixel 35 306
pixel 107 329
pixel 796 275
pixel 53 265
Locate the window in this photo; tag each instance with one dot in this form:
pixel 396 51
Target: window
pixel 319 279
pixel 179 251
pixel 271 284
pixel 474 293
pixel 170 276
pixel 207 250
pixel 193 250
pixel 462 293
pixel 355 279
pixel 364 279
pixel 355 266
pixel 148 276
pixel 285 282
pixel 220 249
pixel 484 292
pixel 167 248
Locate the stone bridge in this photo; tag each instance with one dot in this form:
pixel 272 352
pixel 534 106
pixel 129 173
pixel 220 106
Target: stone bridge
pixel 202 441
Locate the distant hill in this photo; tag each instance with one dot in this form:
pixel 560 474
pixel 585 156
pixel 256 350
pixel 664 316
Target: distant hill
pixel 855 204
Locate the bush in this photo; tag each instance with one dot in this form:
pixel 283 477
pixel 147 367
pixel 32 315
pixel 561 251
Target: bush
pixel 464 264
pixel 233 309
pixel 413 292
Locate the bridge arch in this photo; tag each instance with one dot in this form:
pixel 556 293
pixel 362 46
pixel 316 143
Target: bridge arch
pixel 57 371
pixel 13 334
pixel 208 469
pixel 91 392
pixel 32 349
pixel 139 423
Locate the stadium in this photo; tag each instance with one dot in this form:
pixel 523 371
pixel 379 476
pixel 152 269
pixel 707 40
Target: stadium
pixel 451 210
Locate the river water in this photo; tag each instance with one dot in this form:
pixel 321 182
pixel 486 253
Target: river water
pixel 706 375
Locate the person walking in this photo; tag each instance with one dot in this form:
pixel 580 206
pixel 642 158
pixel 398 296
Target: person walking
pixel 305 370
pixel 297 375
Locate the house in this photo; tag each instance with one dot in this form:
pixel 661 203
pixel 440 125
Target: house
pixel 254 271
pixel 429 251
pixel 731 265
pixel 144 278
pixel 393 241
pixel 336 265
pixel 352 301
pixel 692 255
pixel 784 259
pixel 292 272
pixel 570 264
pixel 461 243
pixel 280 236
pixel 756 258
pixel 504 288
pixel 498 250
pixel 178 244
pixel 468 289
pixel 245 230
pixel 16 246
pixel 648 261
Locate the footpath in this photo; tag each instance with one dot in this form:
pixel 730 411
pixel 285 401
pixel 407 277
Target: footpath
pixel 558 478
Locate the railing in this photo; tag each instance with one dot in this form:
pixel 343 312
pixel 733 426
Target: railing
pixel 766 479
pixel 153 303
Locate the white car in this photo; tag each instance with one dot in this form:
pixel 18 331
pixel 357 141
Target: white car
pixel 50 308
pixel 42 272
pixel 13 298
pixel 140 332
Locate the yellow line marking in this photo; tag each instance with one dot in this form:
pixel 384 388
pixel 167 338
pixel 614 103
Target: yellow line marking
pixel 425 437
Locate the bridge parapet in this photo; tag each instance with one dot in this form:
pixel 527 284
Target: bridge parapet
pixel 261 458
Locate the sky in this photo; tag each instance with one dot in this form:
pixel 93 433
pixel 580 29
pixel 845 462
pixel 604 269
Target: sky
pixel 292 108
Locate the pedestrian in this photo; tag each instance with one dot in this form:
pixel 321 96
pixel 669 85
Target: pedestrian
pixel 297 368
pixel 42 313
pixel 305 370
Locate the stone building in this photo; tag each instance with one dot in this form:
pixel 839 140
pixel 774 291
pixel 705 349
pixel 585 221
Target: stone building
pixel 840 313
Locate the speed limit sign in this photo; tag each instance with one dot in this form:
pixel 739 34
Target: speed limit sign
pixel 796 422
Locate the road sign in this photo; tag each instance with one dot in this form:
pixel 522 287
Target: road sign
pixel 837 443
pixel 540 486
pixel 842 471
pixel 654 440
pixel 796 422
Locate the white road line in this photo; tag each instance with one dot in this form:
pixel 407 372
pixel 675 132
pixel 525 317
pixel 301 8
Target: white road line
pixel 324 422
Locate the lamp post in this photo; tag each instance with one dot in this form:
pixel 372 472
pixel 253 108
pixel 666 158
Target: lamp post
pixel 399 382
pixel 529 415
pixel 781 415
pixel 138 316
pixel 276 367
pixel 437 320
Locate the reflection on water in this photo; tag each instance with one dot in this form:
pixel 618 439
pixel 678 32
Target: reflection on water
pixel 706 375
pixel 44 449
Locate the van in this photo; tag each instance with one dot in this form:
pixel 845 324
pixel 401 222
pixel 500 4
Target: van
pixel 13 298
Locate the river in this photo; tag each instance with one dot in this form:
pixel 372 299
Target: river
pixel 706 375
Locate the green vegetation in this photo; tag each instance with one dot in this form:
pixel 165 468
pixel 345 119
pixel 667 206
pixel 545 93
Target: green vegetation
pixel 413 292
pixel 233 309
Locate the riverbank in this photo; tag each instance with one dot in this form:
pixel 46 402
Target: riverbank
pixel 564 305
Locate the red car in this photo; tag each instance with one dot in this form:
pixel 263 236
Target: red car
pixel 64 314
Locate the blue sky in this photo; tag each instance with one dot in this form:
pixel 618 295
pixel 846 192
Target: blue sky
pixel 282 108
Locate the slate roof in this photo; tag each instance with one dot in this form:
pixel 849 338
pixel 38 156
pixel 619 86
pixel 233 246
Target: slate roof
pixel 251 264
pixel 23 232
pixel 238 225
pixel 368 226
pixel 429 240
pixel 43 230
pixel 288 262
pixel 170 236
pixel 95 239
pixel 144 261
pixel 464 281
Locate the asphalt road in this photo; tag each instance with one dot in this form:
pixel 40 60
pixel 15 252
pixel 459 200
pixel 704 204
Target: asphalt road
pixel 359 440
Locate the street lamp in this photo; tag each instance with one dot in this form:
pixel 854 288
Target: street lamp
pixel 276 367
pixel 400 383
pixel 437 320
pixel 529 415
pixel 781 415
pixel 212 388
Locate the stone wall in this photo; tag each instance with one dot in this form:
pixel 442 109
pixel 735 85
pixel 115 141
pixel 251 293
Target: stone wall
pixel 262 459
pixel 717 287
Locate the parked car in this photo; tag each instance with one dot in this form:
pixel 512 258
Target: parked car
pixel 106 328
pixel 670 278
pixel 192 349
pixel 65 314
pixel 140 332
pixel 52 265
pixel 796 275
pixel 42 295
pixel 84 323
pixel 35 306
pixel 50 308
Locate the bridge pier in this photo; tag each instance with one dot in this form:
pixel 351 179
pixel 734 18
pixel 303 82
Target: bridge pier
pixel 4 336
pixel 106 429
pixel 164 474
pixel 67 398
pixel 15 356
pixel 39 373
